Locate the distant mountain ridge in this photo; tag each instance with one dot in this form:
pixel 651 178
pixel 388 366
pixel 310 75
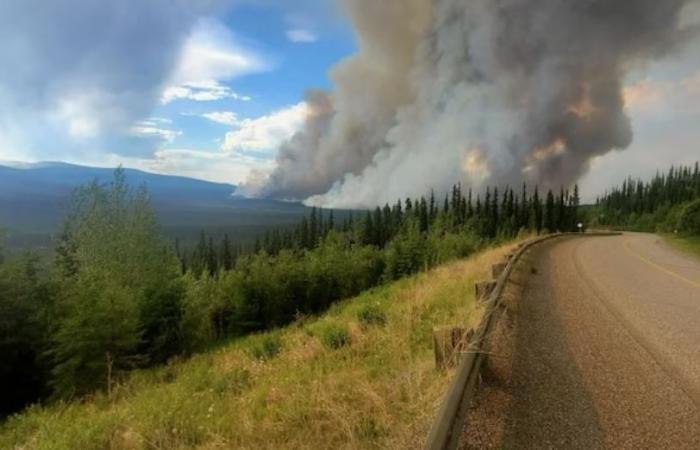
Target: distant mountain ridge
pixel 34 196
pixel 68 176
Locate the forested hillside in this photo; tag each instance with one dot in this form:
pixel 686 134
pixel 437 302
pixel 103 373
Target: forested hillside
pixel 119 296
pixel 359 376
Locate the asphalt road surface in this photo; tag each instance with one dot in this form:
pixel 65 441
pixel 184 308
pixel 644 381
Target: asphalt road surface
pixel 602 350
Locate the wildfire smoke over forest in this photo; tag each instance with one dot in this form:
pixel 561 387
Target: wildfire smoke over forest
pixel 478 92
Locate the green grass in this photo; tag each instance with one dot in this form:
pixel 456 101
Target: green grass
pixel 265 346
pixel 371 315
pixel 361 376
pixel 332 333
pixel 688 244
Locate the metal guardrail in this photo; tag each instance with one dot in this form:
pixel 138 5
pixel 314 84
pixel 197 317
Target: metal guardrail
pixel 447 428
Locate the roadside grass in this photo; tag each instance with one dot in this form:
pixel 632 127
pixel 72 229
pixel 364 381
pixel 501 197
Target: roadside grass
pixel 688 244
pixel 360 376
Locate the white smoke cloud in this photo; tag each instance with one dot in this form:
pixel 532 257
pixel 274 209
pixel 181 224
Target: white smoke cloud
pixel 485 91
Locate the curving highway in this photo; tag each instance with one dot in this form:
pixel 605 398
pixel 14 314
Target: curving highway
pixel 601 351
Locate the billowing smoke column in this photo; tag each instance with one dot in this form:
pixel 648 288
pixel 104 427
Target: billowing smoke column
pixel 477 91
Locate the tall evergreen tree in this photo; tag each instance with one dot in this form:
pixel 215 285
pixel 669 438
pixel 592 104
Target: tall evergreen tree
pixel 550 213
pixel 226 253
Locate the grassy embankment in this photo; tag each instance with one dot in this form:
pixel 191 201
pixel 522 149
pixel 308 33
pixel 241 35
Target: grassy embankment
pixel 688 244
pixel 360 376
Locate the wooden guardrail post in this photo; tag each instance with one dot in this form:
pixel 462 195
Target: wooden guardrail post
pixel 498 269
pixel 448 425
pixel 445 431
pixel 483 289
pixel 449 343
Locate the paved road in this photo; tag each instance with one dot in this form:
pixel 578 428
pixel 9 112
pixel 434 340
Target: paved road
pixel 604 351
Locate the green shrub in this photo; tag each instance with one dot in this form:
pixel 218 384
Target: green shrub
pixel 333 335
pixel 689 221
pixel 264 347
pixel 235 381
pixel 371 315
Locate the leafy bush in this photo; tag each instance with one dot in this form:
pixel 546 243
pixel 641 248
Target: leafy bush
pixel 333 335
pixel 264 347
pixel 371 315
pixel 689 221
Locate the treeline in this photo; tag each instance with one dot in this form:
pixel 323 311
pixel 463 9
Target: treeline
pixel 119 297
pixel 497 215
pixel 668 202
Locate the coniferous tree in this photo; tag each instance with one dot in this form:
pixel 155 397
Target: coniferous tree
pixel 368 230
pixel 560 218
pixel 110 313
pixel 25 306
pixel 199 260
pixel 313 229
pixel 550 213
pixel 523 219
pixel 470 210
pixel 212 257
pixel 226 254
pixel 537 211
pixel 423 216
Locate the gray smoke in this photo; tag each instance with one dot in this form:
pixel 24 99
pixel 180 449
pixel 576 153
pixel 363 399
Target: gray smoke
pixel 477 91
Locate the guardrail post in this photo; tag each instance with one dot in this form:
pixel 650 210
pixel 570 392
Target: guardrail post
pixel 446 430
pixel 498 269
pixel 449 343
pixel 483 290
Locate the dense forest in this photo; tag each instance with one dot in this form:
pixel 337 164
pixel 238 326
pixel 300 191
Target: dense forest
pixel 119 297
pixel 495 217
pixel 667 203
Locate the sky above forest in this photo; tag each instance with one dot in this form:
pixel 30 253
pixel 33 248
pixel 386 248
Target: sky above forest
pixel 211 89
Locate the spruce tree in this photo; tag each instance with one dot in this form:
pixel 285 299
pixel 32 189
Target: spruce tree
pixel 212 257
pixel 550 213
pixel 226 254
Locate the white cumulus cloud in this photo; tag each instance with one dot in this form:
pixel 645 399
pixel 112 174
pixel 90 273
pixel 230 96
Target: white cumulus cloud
pixel 210 56
pixel 208 165
pixel 223 117
pixel 151 129
pixel 301 36
pixel 202 91
pixel 268 132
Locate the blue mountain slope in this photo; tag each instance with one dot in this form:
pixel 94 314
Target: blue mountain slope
pixel 33 198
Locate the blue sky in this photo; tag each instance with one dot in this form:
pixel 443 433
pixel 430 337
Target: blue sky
pixel 236 122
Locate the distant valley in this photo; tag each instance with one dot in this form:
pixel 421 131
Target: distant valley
pixel 34 197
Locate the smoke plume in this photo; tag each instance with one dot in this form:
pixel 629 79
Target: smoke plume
pixel 472 91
